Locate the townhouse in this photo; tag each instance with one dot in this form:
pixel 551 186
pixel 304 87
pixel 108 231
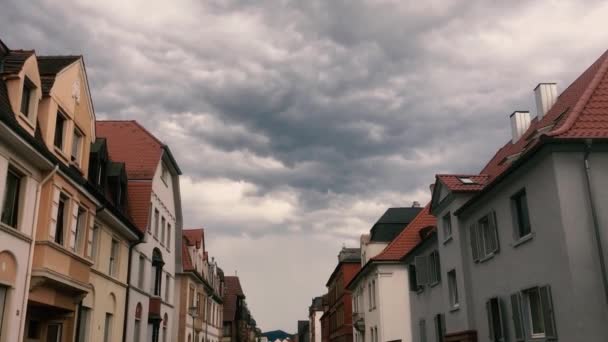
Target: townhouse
pixel 338 316
pixel 153 187
pixel 238 322
pixel 381 306
pixel 315 311
pixel 199 291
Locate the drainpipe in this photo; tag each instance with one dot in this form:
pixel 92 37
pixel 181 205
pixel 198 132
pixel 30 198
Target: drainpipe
pixel 31 254
pixel 126 320
pixel 596 226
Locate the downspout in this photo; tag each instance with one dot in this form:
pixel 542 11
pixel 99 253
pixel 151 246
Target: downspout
pixel 596 226
pixel 31 254
pixel 126 320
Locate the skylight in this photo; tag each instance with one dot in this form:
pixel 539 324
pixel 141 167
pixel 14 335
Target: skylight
pixel 466 180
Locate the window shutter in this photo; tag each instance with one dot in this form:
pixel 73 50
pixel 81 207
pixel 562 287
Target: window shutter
pixel 495 243
pixel 503 332
pixel 422 277
pixel 90 238
pixel 517 317
pixel 54 214
pixel 474 242
pixel 73 226
pixel 412 276
pixel 490 320
pixel 549 315
pixel 437 267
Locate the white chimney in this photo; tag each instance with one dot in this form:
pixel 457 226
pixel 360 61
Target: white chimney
pixel 546 95
pixel 520 122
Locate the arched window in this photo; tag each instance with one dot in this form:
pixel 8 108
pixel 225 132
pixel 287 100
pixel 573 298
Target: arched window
pixel 137 323
pixel 157 268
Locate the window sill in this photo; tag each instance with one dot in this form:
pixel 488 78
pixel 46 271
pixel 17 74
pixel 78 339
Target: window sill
pixel 448 239
pixel 15 232
pixel 455 308
pixel 27 120
pixel 434 284
pixel 486 258
pixel 523 240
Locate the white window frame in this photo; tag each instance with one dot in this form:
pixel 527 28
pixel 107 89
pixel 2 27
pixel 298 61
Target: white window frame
pixel 453 289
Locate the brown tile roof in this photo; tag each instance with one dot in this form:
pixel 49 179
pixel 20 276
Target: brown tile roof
pixel 194 237
pixel 50 66
pixel 131 143
pixel 408 238
pixel 232 290
pixel 139 193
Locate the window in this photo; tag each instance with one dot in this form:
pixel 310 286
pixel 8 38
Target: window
pixel 466 180
pixel 167 287
pixel 3 292
pixel 156 217
pixel 136 330
pixel 33 329
pixel 484 237
pixel 168 236
pixel 54 332
pixel 164 173
pixel 76 146
pixel 374 293
pixel 10 206
pixel 61 208
pixel 369 295
pixel 81 221
pixel 113 258
pixel 434 268
pixel 412 278
pixel 60 122
pixel 82 332
pixel 27 97
pixel 453 289
pixel 162 230
pixel 447 226
pixel 140 275
pixel 227 330
pixel 422 268
pixel 540 315
pixel 440 327
pixel 95 242
pixel 107 332
pixel 495 320
pixel 422 327
pixel 191 293
pixel 519 203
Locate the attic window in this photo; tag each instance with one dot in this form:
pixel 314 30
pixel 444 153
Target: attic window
pixel 27 98
pixel 466 180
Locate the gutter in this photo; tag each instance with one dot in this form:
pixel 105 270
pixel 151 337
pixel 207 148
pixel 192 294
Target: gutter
pixel 33 243
pixel 124 326
pixel 596 226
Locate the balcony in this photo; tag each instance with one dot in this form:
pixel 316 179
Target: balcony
pixel 359 321
pixel 154 309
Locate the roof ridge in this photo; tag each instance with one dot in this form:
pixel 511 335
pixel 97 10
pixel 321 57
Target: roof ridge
pixel 584 98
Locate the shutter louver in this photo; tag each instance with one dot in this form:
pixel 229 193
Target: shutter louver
pixel 517 317
pixel 90 238
pixel 494 233
pixel 474 242
pixel 54 213
pixel 422 270
pixel 73 226
pixel 548 314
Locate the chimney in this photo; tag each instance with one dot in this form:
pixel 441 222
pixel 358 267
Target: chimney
pixel 520 121
pixel 416 204
pixel 546 95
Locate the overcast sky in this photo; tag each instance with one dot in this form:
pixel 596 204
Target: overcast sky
pixel 297 123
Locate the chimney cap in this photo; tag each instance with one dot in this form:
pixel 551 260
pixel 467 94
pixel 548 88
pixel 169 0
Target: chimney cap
pixel 545 83
pixel 519 111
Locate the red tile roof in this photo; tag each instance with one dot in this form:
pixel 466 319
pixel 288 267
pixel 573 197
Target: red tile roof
pixel 408 238
pixel 186 257
pixel 232 290
pixel 139 193
pixel 194 237
pixel 454 182
pixel 131 143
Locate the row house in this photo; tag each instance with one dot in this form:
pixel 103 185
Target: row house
pixel 380 305
pixel 199 291
pixel 56 218
pixel 337 318
pixel 153 188
pixel 516 252
pixel 315 311
pixel 238 323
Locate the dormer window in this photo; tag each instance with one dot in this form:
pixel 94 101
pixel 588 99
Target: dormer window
pixel 76 146
pixel 27 97
pixel 60 122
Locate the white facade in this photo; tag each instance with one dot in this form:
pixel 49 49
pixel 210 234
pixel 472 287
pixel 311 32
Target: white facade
pixel 161 238
pixel 16 246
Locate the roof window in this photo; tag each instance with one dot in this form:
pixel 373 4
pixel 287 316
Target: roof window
pixel 466 180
